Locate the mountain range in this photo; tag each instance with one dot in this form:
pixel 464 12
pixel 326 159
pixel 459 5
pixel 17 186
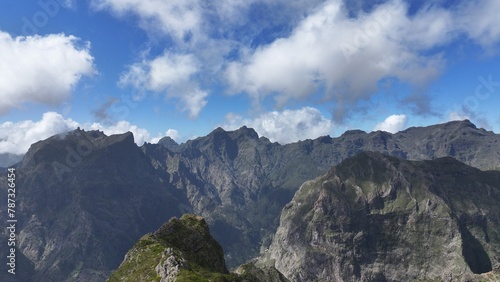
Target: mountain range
pixel 84 198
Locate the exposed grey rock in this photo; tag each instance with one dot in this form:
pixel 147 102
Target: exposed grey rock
pixel 76 223
pixel 378 218
pixel 183 250
pixel 240 182
pixel 170 269
pixel 80 214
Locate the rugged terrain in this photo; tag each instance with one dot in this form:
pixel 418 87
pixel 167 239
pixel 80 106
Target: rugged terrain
pixel 85 198
pixel 183 250
pixel 240 182
pixel 379 218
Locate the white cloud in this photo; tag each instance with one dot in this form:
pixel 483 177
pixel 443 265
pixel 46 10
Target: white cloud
pixel 191 21
pixel 160 73
pixel 320 46
pixel 392 124
pixel 346 56
pixel 457 116
pixel 42 69
pixel 285 126
pixel 172 74
pixel 480 20
pixel 177 18
pixel 193 101
pixel 17 137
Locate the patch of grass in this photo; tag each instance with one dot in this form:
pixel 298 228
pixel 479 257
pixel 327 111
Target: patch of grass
pixel 198 274
pixel 141 262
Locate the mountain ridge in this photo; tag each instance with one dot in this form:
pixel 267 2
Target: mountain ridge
pixel 379 218
pixel 237 180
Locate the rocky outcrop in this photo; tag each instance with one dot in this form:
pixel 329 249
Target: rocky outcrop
pixel 183 250
pixel 379 218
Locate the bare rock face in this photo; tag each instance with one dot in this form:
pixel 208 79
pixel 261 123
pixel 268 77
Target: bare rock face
pixel 378 218
pixel 179 249
pixel 240 182
pixel 183 250
pixel 83 199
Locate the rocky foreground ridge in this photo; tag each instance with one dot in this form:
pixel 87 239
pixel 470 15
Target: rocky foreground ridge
pixel 183 250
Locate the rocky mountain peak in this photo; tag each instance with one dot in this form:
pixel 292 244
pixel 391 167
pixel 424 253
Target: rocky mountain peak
pixel 370 213
pixel 465 123
pixel 182 249
pixel 190 235
pixel 245 132
pixel 168 142
pixel 241 133
pixel 353 132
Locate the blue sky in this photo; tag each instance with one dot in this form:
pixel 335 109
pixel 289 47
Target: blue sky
pixel 290 69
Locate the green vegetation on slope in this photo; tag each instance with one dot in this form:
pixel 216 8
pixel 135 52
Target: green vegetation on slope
pixel 182 250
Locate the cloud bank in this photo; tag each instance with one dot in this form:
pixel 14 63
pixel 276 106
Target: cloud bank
pixel 392 124
pixel 171 74
pixel 41 69
pixel 329 50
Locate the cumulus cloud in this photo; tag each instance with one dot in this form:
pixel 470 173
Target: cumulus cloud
pixel 285 126
pixel 16 137
pixel 392 124
pixel 178 18
pixel 161 72
pixel 41 69
pixel 479 19
pixel 172 74
pixel 345 56
pixel 191 21
pixel 294 49
pixel 204 34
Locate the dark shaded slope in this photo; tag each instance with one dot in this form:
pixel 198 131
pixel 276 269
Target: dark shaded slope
pixel 379 218
pixel 240 182
pixel 83 200
pixel 183 250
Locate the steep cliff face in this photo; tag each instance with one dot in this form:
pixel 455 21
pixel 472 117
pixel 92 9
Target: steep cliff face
pixel 83 199
pixel 379 218
pixel 183 250
pixel 240 182
pixel 233 180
